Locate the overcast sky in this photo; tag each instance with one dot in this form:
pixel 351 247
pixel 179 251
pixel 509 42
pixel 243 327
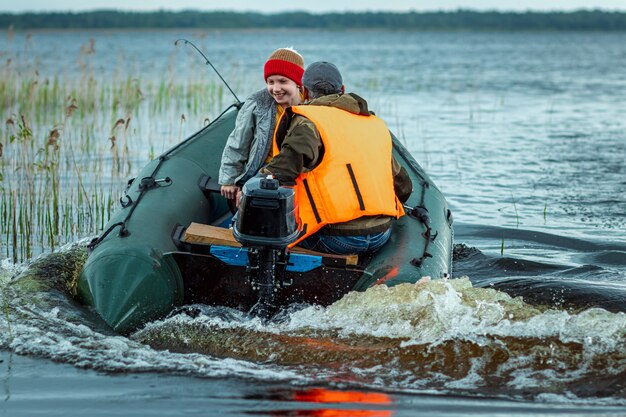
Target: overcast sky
pixel 311 5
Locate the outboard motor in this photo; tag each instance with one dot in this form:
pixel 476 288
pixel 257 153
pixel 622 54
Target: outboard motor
pixel 266 224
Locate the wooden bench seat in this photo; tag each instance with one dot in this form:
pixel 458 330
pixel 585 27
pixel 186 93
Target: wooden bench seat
pixel 204 234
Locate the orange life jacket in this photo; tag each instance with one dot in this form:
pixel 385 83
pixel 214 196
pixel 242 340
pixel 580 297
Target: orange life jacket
pixel 354 177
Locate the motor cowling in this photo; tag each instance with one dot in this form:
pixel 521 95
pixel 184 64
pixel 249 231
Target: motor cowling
pixel 267 214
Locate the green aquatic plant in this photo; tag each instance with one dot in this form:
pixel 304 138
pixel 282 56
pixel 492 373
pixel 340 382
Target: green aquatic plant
pixel 516 212
pixel 62 167
pixel 58 270
pixel 183 119
pixel 7 317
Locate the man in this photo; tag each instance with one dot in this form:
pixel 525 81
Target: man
pixel 339 158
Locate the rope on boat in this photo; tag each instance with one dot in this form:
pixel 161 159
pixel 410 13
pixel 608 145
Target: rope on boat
pixel 146 184
pixel 420 213
pixel 96 240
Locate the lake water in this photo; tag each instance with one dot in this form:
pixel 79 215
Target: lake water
pixel 524 133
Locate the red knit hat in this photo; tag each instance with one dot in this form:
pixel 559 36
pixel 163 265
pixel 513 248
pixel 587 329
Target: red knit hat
pixel 286 62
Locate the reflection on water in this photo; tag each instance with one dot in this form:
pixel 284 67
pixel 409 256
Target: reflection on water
pixel 6 361
pixel 335 403
pixel 322 395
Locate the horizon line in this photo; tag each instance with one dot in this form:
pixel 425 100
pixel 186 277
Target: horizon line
pixel 195 10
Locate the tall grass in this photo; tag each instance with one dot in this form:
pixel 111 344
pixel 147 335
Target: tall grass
pixel 69 144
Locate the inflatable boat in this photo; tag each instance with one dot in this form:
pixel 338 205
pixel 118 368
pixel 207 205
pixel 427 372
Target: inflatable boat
pixel 169 244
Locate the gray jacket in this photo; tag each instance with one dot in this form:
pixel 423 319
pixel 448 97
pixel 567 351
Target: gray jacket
pixel 250 141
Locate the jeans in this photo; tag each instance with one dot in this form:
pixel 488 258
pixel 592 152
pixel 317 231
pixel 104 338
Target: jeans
pixel 346 245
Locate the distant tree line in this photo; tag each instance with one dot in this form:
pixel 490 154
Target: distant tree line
pixel 457 20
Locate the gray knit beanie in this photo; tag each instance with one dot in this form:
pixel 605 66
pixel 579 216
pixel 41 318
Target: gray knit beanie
pixel 322 77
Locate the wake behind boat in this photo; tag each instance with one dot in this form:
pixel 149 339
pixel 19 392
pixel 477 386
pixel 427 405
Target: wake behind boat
pixel 168 244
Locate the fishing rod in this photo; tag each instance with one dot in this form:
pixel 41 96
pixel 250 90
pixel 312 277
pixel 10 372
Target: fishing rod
pixel 209 63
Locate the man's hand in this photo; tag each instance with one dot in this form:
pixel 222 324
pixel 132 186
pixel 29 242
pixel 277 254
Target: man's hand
pixel 229 191
pixel 238 199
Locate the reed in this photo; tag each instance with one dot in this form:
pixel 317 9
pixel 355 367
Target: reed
pixel 516 212
pixel 69 144
pixel 7 318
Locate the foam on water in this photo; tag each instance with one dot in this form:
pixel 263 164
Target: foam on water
pixel 39 319
pixel 49 334
pixel 441 335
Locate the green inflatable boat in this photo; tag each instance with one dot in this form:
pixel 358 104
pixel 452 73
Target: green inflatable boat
pixel 169 244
